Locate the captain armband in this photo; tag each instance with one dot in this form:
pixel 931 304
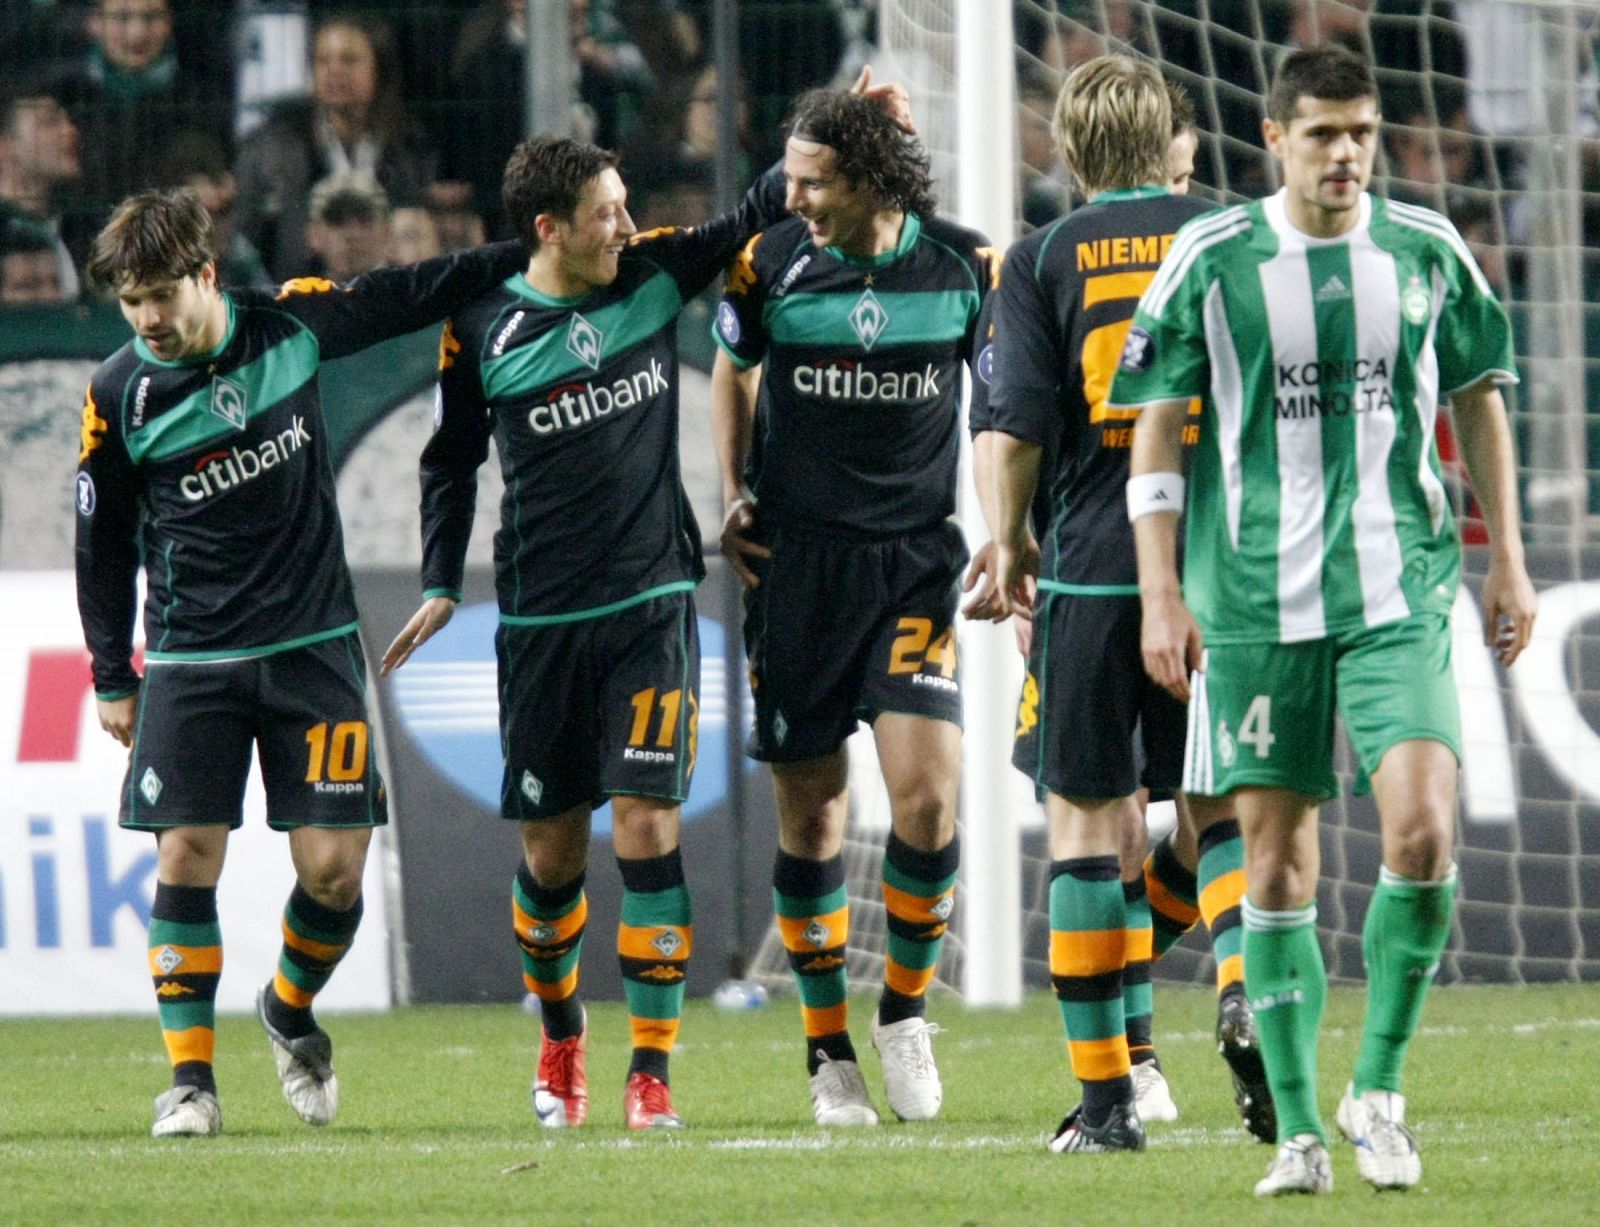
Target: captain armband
pixel 1149 493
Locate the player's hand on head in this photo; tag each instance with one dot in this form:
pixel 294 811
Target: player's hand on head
pixel 987 604
pixel 892 96
pixel 737 547
pixel 1171 644
pixel 1509 609
pixel 424 624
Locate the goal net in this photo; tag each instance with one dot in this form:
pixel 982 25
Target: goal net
pixel 1490 117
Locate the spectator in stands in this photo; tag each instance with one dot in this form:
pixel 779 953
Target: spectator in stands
pixel 489 71
pixel 1436 165
pixel 349 227
pixel 672 162
pixel 1043 175
pixel 413 236
pixel 459 224
pixel 195 160
pixel 38 162
pixel 355 120
pixel 1331 21
pixel 29 272
pixel 128 91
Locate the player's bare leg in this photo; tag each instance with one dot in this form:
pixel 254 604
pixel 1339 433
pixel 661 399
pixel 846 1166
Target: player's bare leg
pixel 550 912
pixel 813 914
pixel 654 941
pixel 1087 902
pixel 1407 925
pixel 921 762
pixel 1284 975
pixel 185 945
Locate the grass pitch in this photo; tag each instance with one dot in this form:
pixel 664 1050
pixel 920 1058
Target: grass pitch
pixel 435 1126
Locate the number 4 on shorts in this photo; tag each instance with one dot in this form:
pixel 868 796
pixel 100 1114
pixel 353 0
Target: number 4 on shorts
pixel 1256 727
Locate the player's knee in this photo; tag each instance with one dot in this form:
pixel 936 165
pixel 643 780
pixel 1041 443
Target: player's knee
pixel 334 881
pixel 923 815
pixel 1418 844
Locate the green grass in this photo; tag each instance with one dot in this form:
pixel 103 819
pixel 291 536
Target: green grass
pixel 435 1126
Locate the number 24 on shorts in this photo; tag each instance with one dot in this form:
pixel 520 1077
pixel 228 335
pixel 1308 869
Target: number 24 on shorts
pixel 912 649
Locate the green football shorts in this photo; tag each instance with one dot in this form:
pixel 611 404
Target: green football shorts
pixel 1261 714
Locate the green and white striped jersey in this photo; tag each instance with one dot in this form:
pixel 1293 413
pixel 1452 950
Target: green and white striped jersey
pixel 1315 502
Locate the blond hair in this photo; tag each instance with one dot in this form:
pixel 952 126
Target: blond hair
pixel 1113 124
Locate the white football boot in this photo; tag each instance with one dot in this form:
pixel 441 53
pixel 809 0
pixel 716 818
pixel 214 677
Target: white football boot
pixel 1386 1151
pixel 910 1078
pixel 839 1094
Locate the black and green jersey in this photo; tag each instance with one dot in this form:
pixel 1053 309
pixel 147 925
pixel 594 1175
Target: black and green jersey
pixel 857 422
pixel 581 398
pixel 214 471
pixel 1061 317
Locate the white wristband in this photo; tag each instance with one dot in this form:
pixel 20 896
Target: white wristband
pixel 1149 493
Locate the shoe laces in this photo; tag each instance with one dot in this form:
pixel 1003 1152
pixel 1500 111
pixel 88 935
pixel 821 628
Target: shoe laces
pixel 654 1096
pixel 838 1082
pixel 914 1050
pixel 557 1064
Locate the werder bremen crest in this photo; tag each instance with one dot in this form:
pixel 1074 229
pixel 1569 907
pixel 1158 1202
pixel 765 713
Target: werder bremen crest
pixel 229 401
pixel 585 341
pixel 869 319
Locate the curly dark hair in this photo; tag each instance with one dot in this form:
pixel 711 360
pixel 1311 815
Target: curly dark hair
pixel 547 174
pixel 152 237
pixel 869 149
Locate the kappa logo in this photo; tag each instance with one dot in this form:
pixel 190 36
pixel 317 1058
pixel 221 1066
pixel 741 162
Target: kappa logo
pixel 790 277
pixel 139 399
pixel 667 942
pixel 506 333
pixel 172 989
pixel 532 787
pixel 150 785
pixel 585 342
pixel 817 934
pixel 1333 290
pixel 229 401
pixel 869 319
pixel 168 959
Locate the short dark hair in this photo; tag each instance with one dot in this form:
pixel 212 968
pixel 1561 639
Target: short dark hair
pixel 1331 72
pixel 547 174
pixel 154 236
pixel 869 148
pixel 29 87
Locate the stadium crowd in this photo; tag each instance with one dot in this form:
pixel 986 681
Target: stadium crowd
pixel 326 138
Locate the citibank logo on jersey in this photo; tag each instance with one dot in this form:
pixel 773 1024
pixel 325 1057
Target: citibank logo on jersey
pixel 845 379
pixel 218 472
pixel 578 404
pixel 448 700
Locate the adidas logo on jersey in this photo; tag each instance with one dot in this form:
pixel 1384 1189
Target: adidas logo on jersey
pixel 837 381
pixel 575 404
pixel 1333 290
pixel 219 472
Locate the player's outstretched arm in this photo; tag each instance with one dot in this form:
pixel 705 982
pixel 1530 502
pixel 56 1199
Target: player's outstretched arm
pixel 1509 603
pixel 390 302
pixel 1169 636
pixel 1016 564
pixel 424 624
pixel 733 411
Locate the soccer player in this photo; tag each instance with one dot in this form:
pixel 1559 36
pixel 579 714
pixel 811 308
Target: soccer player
pixel 1091 729
pixel 203 457
pixel 571 365
pixel 840 484
pixel 1321 327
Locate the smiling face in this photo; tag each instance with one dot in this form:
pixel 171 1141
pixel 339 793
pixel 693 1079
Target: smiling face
pixel 837 213
pixel 589 245
pixel 1326 152
pixel 176 319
